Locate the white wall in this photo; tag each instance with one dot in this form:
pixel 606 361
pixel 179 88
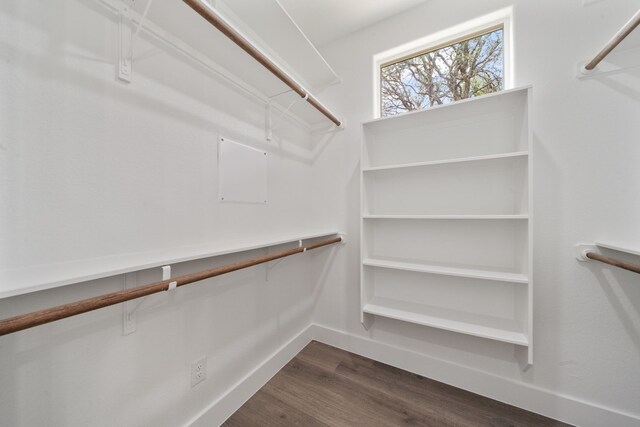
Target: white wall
pixel 586 152
pixel 87 159
pixel 96 167
pixel 93 167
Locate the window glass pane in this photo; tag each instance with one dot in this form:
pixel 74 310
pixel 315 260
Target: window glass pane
pixel 469 68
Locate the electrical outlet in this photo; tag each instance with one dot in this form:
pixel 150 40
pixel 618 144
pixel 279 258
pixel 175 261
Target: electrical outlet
pixel 198 371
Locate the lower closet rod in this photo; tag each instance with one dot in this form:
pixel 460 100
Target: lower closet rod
pixel 613 261
pixel 36 318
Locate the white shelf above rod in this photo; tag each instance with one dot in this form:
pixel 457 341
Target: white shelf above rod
pixel 615 41
pixel 157 32
pixel 629 248
pixel 215 19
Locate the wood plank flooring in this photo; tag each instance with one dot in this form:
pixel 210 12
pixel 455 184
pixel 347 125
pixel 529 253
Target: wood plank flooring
pixel 325 386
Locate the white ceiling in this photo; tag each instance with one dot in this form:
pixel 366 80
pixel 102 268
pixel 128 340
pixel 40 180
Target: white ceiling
pixel 324 21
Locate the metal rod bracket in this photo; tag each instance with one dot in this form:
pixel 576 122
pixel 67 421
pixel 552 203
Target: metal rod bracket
pixel 127 39
pixel 582 249
pixel 270 122
pixel 343 237
pixel 125 42
pixel 129 318
pixel 131 307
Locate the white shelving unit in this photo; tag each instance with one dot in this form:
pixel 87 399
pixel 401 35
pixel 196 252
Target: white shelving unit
pixel 446 218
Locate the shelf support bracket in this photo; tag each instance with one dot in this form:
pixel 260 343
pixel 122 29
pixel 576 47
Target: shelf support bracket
pixel 270 265
pixel 127 39
pixel 270 126
pixel 367 320
pixel 131 307
pixel 129 318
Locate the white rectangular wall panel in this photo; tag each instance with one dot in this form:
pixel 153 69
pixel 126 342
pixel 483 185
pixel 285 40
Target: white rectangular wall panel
pixel 242 173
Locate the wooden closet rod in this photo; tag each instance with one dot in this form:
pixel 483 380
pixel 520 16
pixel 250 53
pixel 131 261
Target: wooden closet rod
pixel 613 261
pixel 29 320
pixel 208 13
pixel 615 41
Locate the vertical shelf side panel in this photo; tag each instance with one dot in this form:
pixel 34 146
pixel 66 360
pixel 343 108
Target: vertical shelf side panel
pixel 366 277
pixel 529 118
pixel 363 163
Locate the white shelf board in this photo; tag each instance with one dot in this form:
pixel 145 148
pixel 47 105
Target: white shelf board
pixel 450 106
pixel 205 46
pixel 289 46
pixel 630 248
pixel 448 161
pixel 498 329
pixel 26 280
pixel 447 271
pixel 461 217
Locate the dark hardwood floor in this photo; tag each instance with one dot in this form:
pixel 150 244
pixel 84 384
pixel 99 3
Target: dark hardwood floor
pixel 325 386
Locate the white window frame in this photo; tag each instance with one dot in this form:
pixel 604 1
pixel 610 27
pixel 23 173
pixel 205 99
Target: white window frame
pixel 445 38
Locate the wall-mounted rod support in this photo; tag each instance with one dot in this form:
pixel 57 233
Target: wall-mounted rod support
pixel 36 318
pixel 615 41
pixel 134 37
pixel 210 14
pixel 613 261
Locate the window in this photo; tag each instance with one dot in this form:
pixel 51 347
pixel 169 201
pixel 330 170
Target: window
pixel 461 69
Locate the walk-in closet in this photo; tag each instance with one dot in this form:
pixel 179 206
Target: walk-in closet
pixel 251 213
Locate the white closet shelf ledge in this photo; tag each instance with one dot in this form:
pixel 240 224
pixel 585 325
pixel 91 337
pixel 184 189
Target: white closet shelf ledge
pixel 461 217
pixel 629 248
pixel 509 155
pixel 479 325
pixel 206 49
pixel 481 102
pixel 498 276
pixel 46 276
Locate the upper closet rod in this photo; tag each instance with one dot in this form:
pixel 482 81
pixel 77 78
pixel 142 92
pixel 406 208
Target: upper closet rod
pixel 208 13
pixel 615 41
pixel 29 320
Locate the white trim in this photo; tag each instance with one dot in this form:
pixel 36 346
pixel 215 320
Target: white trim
pixel 500 17
pixel 520 394
pixel 516 393
pixel 223 407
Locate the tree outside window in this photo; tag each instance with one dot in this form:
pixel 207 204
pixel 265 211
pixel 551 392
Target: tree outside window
pixel 464 69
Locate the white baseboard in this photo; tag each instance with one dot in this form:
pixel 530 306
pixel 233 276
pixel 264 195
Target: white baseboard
pixel 221 409
pixel 522 395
